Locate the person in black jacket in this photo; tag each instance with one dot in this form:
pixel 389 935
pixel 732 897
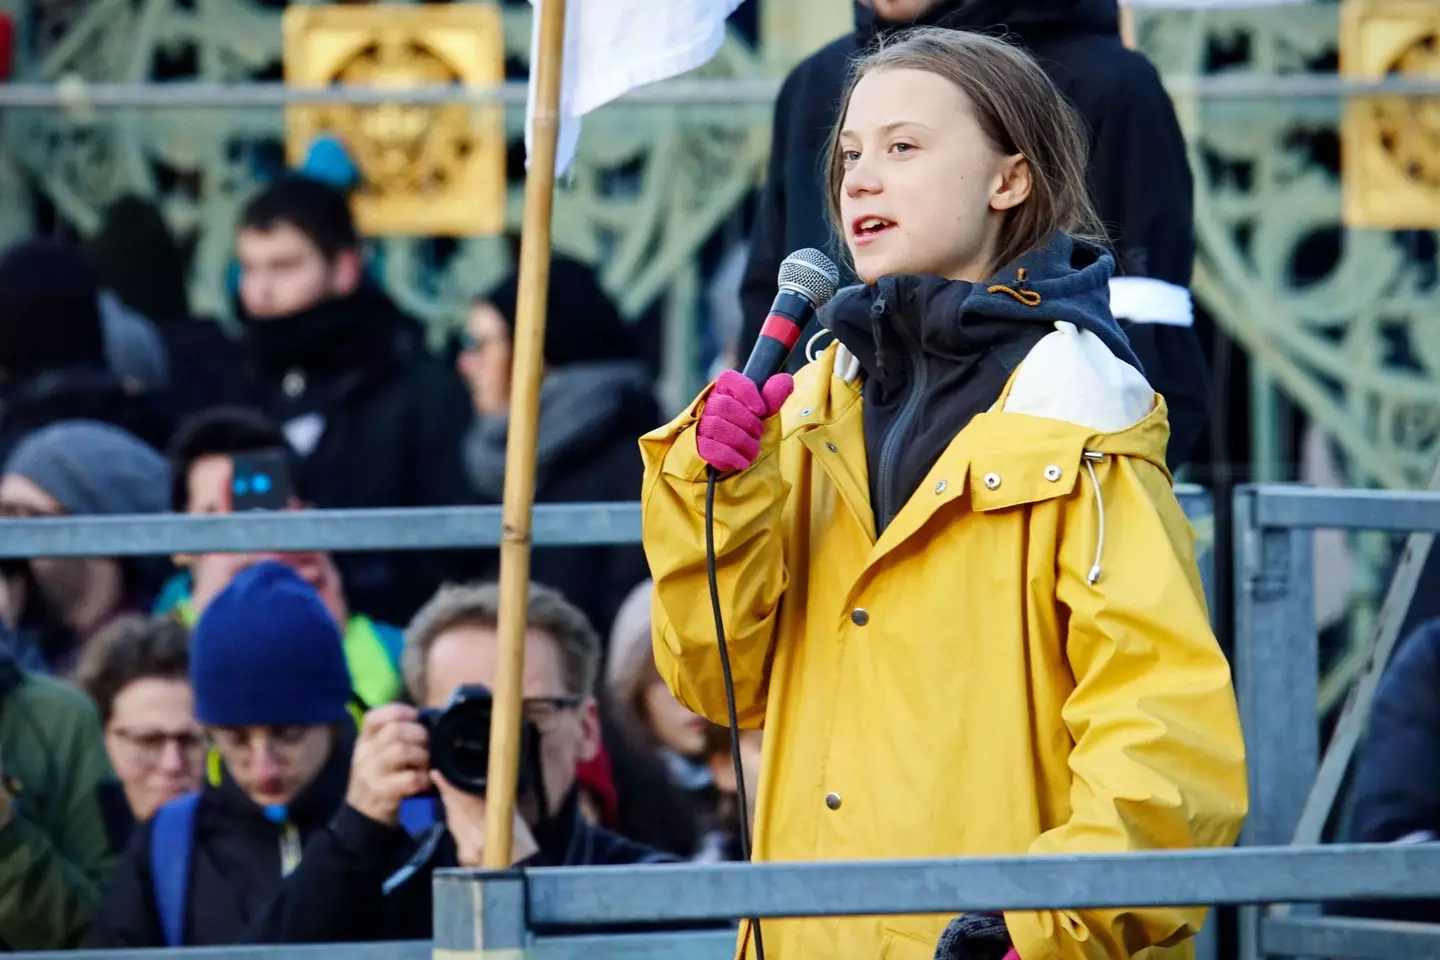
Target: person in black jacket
pixel 1397 779
pixel 596 400
pixel 375 418
pixel 273 694
pixel 364 877
pixel 1139 180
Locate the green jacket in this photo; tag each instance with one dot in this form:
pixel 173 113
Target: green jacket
pixel 56 854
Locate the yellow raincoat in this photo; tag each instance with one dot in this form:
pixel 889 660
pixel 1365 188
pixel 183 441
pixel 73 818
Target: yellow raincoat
pixel 960 687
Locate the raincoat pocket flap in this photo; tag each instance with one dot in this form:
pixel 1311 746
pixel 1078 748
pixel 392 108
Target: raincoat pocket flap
pixel 1005 480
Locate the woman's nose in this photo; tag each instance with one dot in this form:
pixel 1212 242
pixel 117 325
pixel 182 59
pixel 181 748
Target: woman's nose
pixel 860 180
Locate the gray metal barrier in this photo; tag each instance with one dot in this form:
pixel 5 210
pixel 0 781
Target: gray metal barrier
pixel 496 914
pixel 1277 682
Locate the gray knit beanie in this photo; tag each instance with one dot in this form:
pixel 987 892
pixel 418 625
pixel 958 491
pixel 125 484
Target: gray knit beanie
pixel 93 468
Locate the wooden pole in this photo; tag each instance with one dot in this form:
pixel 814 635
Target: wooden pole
pixel 520 444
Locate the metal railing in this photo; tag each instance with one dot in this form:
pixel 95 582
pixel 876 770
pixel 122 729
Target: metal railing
pixel 73 93
pixel 498 914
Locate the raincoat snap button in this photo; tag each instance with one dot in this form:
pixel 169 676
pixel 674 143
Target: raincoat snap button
pixel 832 448
pixel 1052 473
pixel 940 487
pixel 859 617
pixel 992 480
pixel 805 412
pixel 832 800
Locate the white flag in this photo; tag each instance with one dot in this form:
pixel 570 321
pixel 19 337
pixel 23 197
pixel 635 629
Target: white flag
pixel 614 46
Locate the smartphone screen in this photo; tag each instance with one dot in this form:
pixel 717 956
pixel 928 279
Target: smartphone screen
pixel 261 482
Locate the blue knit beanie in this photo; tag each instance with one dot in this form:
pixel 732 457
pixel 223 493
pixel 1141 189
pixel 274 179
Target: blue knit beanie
pixel 267 652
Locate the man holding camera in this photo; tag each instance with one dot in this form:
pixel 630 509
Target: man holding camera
pixel 366 876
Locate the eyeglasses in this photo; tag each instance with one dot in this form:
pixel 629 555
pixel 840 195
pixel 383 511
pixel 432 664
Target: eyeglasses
pixel 282 744
pixel 150 745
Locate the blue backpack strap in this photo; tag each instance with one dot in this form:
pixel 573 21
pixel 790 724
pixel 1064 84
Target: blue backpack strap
pixel 172 839
pixel 418 814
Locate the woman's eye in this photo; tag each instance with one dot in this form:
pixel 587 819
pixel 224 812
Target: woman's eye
pixel 902 147
pixel 850 156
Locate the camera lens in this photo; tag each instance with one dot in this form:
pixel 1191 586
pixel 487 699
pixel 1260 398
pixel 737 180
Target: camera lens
pixel 460 743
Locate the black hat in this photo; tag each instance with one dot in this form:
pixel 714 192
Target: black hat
pixel 49 310
pixel 582 323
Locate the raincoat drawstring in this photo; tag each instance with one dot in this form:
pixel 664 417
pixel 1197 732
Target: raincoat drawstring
pixel 1091 457
pixel 847 365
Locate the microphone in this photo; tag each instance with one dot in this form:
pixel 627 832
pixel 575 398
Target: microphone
pixel 807 282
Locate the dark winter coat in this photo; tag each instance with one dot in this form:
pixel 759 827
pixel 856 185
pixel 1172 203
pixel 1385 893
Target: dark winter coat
pixel 337 894
pixel 1140 177
pixel 235 867
pixel 390 418
pixel 587 454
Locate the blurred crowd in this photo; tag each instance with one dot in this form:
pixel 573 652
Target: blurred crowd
pixel 175 731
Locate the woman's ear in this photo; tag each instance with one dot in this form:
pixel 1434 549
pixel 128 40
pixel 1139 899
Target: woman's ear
pixel 1012 183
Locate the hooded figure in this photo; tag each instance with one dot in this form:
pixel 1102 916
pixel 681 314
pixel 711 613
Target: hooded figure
pixel 596 400
pixel 1139 177
pixel 54 360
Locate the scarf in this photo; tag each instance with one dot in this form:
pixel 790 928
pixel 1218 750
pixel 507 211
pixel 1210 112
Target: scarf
pixel 578 404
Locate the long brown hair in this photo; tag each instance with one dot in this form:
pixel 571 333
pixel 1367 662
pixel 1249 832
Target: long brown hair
pixel 1021 111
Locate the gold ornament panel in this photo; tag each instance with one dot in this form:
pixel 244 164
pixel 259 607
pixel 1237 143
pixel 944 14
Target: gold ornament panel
pixel 427 170
pixel 1391 145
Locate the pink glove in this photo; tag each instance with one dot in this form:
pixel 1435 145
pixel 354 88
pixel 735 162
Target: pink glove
pixel 732 421
pixel 1012 955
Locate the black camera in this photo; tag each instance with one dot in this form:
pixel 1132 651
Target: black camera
pixel 460 742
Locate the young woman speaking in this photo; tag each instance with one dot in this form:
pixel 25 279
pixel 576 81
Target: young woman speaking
pixel 960 594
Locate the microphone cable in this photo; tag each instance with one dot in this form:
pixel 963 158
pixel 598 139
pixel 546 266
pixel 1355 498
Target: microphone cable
pixel 740 794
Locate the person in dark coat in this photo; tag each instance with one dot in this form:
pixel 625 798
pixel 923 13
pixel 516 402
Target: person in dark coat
pixel 596 400
pixel 1140 180
pixel 367 876
pixel 272 691
pixel 142 265
pixel 376 419
pixel 1397 779
pixel 54 363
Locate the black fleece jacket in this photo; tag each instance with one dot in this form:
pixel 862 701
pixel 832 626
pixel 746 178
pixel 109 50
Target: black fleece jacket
pixel 361 880
pixel 235 866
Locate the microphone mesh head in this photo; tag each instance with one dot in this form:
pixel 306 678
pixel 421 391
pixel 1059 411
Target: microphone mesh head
pixel 812 273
